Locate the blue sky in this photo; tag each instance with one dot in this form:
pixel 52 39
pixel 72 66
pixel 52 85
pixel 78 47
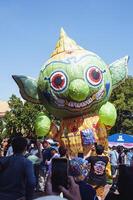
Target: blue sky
pixel 29 30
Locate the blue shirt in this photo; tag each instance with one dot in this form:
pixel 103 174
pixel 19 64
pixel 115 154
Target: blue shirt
pixel 129 157
pixel 113 157
pixel 16 178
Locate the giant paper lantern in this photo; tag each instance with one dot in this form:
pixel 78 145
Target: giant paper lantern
pixel 74 85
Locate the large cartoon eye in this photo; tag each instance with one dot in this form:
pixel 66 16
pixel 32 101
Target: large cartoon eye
pixel 58 81
pixel 94 75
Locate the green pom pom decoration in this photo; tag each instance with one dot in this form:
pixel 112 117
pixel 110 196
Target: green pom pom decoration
pixel 42 125
pixel 107 114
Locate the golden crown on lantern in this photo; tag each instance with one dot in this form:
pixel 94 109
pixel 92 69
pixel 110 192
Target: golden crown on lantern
pixel 65 44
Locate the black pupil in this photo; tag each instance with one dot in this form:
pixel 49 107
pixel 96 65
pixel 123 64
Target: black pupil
pixel 95 74
pixel 58 81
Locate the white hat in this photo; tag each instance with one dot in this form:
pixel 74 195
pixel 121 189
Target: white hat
pixel 50 141
pixel 51 197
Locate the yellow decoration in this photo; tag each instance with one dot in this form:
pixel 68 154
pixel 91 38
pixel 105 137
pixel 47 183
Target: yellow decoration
pixel 65 44
pixel 72 139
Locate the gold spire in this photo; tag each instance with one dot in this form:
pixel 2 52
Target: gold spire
pixel 65 44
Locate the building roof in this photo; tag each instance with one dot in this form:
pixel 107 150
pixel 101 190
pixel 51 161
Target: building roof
pixel 4 107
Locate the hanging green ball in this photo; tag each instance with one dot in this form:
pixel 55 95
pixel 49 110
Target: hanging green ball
pixel 107 114
pixel 42 125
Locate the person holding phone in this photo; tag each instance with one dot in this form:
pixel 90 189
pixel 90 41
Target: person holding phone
pixel 54 154
pixel 72 193
pixel 59 173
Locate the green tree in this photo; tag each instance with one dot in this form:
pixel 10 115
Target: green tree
pixel 122 98
pixel 13 117
pixel 21 116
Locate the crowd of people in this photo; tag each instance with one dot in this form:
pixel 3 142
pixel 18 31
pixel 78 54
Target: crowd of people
pixel 25 169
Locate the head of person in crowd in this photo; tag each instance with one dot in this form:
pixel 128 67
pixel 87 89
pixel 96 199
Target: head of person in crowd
pixel 78 168
pixel 126 151
pixel 62 151
pixel 54 150
pixel 131 150
pixel 32 146
pixel 120 149
pixel 46 144
pixel 93 150
pixel 5 143
pixel 19 145
pixel 114 148
pixel 99 149
pixel 15 134
pixel 33 142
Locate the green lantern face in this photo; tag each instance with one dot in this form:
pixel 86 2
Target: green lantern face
pixel 75 85
pixel 73 81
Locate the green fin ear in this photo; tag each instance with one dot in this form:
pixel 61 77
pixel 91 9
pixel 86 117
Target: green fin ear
pixel 119 71
pixel 28 88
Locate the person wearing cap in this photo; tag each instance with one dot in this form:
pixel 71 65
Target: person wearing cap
pixel 54 154
pixel 63 152
pixel 78 169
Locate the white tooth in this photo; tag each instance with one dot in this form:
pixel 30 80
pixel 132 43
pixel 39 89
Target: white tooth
pixel 89 101
pixel 78 105
pixel 99 94
pixel 75 104
pixel 71 104
pixel 86 101
pixel 84 104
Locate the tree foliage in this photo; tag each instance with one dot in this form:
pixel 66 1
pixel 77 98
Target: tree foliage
pixel 21 116
pixel 122 98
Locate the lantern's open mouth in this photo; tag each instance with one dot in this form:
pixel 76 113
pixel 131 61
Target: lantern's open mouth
pixel 73 105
